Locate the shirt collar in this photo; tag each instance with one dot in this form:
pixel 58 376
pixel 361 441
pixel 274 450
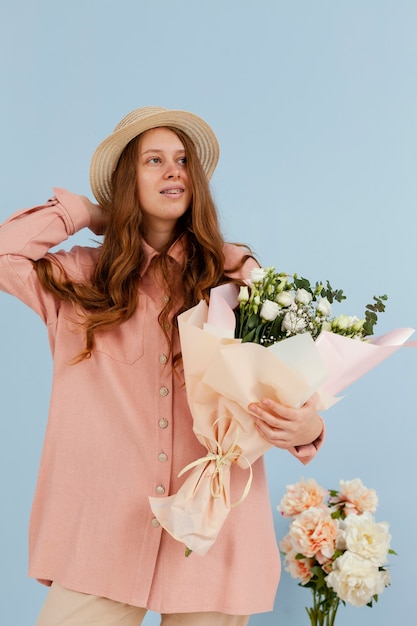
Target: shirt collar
pixel 176 252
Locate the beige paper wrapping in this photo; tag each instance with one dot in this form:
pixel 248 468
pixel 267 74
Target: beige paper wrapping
pixel 223 376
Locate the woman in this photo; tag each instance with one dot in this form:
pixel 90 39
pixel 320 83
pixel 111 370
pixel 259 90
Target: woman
pixel 119 428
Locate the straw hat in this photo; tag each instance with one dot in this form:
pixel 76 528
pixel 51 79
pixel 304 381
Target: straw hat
pixel 106 156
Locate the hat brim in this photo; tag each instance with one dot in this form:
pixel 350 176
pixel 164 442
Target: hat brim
pixel 107 154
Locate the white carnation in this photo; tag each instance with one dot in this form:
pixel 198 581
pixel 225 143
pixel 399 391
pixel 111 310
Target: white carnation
pixel 364 536
pixel 356 580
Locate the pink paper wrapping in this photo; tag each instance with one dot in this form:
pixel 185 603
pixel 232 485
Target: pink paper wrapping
pixel 347 360
pixel 223 376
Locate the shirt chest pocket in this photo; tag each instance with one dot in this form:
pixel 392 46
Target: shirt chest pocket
pixel 125 343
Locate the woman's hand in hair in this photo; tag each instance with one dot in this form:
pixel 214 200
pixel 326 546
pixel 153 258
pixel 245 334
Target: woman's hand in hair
pixel 286 427
pixel 98 218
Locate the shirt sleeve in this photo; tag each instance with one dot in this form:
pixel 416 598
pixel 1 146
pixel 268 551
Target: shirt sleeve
pixel 27 236
pixel 307 452
pixel 234 256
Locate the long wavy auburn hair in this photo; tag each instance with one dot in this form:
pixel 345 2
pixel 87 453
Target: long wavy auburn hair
pixel 111 296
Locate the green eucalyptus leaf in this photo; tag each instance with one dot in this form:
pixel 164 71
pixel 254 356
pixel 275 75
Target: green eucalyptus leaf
pixel 302 283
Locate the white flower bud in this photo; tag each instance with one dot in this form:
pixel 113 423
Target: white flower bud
pixel 243 295
pixel 358 326
pixel 352 320
pixel 341 322
pixel 326 326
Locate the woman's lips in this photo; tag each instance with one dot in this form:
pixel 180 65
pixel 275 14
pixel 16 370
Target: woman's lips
pixel 172 191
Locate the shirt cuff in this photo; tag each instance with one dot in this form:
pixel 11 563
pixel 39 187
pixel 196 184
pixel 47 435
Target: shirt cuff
pixel 74 211
pixel 308 451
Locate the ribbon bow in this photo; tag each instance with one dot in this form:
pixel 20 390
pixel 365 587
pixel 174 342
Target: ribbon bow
pixel 221 460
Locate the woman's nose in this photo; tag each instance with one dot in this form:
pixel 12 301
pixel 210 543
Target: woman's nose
pixel 172 170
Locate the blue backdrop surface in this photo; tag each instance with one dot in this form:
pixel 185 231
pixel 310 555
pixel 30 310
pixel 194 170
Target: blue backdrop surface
pixel 314 105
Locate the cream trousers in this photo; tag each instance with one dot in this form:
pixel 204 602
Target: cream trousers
pixel 70 608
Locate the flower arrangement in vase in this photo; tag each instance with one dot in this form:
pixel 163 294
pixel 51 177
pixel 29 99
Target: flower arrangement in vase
pixel 334 546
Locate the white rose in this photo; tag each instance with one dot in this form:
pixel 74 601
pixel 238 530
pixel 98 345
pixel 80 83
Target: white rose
pixel 285 298
pixel 292 323
pixel 356 580
pixel 257 275
pixel 366 537
pixel 269 310
pixel 303 296
pixel 324 307
pixel 243 294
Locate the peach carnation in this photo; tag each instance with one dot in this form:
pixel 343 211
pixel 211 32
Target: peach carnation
pixel 356 497
pixel 300 497
pixel 314 533
pixel 299 568
pixel 286 544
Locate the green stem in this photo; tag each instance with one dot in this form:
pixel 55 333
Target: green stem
pixel 324 609
pixel 333 611
pixel 240 319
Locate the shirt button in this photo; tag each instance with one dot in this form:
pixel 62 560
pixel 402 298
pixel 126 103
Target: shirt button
pixel 163 423
pixel 163 391
pixel 160 490
pixel 155 522
pixel 162 457
pixel 163 359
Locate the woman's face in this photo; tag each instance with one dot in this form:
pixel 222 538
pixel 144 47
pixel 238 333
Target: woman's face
pixel 163 184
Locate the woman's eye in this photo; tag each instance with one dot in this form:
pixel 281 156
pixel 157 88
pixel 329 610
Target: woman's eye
pixel 183 160
pixel 154 160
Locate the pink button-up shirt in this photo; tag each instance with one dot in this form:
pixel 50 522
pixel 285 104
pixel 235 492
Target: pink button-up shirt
pixel 120 430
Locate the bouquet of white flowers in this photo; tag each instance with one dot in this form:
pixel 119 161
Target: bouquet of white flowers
pixel 334 546
pixel 276 306
pixel 274 338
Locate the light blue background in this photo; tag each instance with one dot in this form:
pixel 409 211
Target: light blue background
pixel 314 104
